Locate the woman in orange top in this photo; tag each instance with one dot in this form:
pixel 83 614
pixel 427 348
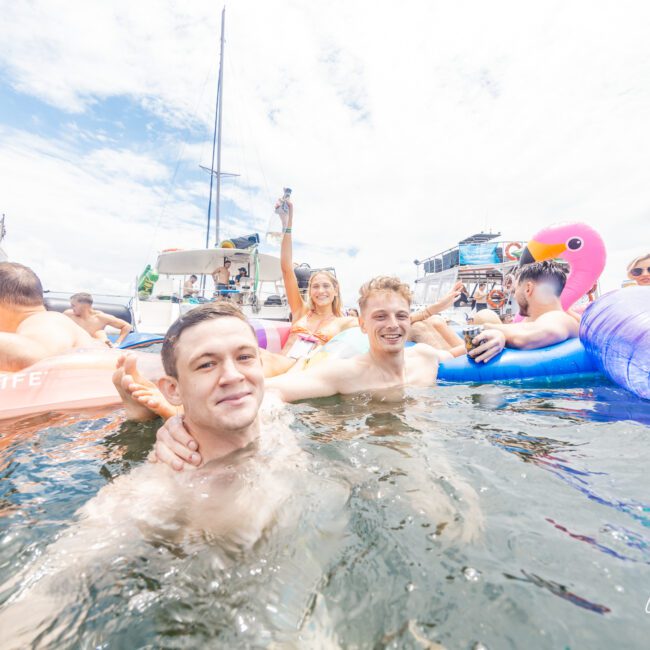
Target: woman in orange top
pixel 315 321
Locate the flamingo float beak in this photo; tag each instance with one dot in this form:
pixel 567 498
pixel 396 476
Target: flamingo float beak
pixel 538 252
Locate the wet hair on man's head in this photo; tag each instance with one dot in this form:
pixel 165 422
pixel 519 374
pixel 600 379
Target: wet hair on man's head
pixel 383 283
pixel 193 277
pixel 196 316
pixel 548 272
pixel 19 285
pixel 82 297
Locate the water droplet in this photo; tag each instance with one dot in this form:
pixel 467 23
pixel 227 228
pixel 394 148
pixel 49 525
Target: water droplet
pixel 471 574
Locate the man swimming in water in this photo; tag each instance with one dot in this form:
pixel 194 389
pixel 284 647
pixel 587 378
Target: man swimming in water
pixel 28 332
pixel 213 368
pixel 253 483
pixel 385 318
pixel 95 321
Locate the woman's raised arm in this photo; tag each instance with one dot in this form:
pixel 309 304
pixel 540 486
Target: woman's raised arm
pixel 296 303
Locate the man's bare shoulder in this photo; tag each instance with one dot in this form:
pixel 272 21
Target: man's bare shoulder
pixel 102 315
pixel 46 318
pixel 55 329
pixel 422 351
pixel 559 317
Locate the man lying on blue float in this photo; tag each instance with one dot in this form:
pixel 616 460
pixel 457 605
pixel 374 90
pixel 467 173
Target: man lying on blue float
pixel 538 290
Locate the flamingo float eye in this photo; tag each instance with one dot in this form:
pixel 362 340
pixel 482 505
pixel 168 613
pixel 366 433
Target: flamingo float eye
pixel 574 244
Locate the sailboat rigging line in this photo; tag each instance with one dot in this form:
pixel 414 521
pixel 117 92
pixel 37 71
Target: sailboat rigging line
pixel 216 143
pixel 179 158
pixel 241 115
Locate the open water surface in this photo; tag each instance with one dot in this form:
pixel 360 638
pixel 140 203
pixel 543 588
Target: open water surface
pixel 493 516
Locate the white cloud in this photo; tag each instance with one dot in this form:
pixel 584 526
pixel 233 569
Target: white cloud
pixel 401 130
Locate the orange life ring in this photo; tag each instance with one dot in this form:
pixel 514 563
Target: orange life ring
pixel 509 247
pixel 496 299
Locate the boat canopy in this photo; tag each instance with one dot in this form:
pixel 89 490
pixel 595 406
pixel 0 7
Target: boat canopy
pixel 204 261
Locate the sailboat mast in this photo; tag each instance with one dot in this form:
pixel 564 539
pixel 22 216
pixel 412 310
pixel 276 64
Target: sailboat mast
pixel 220 113
pixel 216 143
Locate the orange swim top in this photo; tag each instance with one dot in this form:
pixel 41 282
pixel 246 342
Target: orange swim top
pixel 318 334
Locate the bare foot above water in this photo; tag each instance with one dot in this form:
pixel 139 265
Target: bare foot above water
pixel 141 397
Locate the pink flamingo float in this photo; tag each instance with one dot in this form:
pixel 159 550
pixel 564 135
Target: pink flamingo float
pixel 577 243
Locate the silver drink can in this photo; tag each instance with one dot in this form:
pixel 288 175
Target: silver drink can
pixel 470 332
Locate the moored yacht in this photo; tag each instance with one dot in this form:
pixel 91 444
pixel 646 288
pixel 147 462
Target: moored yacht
pixel 479 259
pixel 260 293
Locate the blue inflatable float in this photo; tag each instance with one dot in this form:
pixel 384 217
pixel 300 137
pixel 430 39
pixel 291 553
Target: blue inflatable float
pixel 615 331
pixel 561 360
pixel 137 340
pixel 553 362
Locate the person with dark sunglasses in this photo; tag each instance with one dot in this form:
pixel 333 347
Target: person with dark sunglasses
pixel 639 270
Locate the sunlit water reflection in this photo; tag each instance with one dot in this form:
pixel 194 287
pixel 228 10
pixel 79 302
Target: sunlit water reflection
pixel 508 516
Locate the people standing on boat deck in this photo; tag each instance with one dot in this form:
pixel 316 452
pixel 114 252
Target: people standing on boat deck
pixel 95 321
pixel 638 270
pixel 221 277
pixel 385 317
pixel 28 332
pixel 480 297
pixel 314 321
pixel 189 290
pixel 353 312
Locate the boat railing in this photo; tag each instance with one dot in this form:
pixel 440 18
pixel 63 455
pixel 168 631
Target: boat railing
pixel 482 254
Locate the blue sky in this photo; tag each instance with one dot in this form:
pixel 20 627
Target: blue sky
pixel 400 129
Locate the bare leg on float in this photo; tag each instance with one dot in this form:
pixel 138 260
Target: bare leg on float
pixel 435 332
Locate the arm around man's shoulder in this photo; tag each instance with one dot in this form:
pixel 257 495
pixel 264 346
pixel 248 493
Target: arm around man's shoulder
pixel 324 379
